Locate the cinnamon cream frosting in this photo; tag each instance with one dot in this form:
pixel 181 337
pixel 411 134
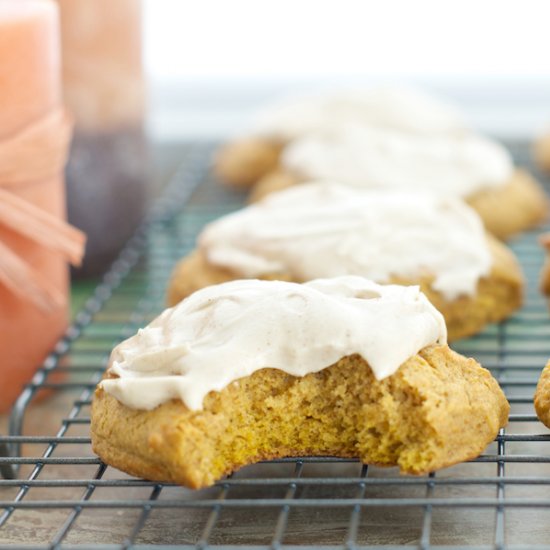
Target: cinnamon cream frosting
pixel 401 108
pixel 225 332
pixel 327 230
pixel 458 165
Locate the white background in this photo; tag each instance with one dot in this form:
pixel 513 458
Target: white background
pixel 212 62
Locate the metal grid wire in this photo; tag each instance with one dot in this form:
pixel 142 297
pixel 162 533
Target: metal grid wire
pixel 61 495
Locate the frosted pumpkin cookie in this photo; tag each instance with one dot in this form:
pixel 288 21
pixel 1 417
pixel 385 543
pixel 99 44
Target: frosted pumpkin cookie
pixel 244 161
pixel 541 152
pixel 464 165
pixel 325 230
pixel 542 396
pixel 545 273
pixel 252 370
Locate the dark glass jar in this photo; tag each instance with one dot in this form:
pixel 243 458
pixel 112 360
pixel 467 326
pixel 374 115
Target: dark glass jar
pixel 103 84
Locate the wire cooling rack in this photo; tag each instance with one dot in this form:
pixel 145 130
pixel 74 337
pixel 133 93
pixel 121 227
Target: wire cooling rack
pixel 61 496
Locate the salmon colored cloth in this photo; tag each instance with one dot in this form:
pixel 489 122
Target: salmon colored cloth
pixel 35 246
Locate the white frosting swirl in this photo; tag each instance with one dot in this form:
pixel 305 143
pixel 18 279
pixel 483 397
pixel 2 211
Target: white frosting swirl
pixel 400 108
pixel 456 165
pixel 225 332
pixel 326 230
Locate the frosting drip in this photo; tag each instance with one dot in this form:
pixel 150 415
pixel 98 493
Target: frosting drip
pixel 400 108
pixel 457 165
pixel 225 332
pixel 326 230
